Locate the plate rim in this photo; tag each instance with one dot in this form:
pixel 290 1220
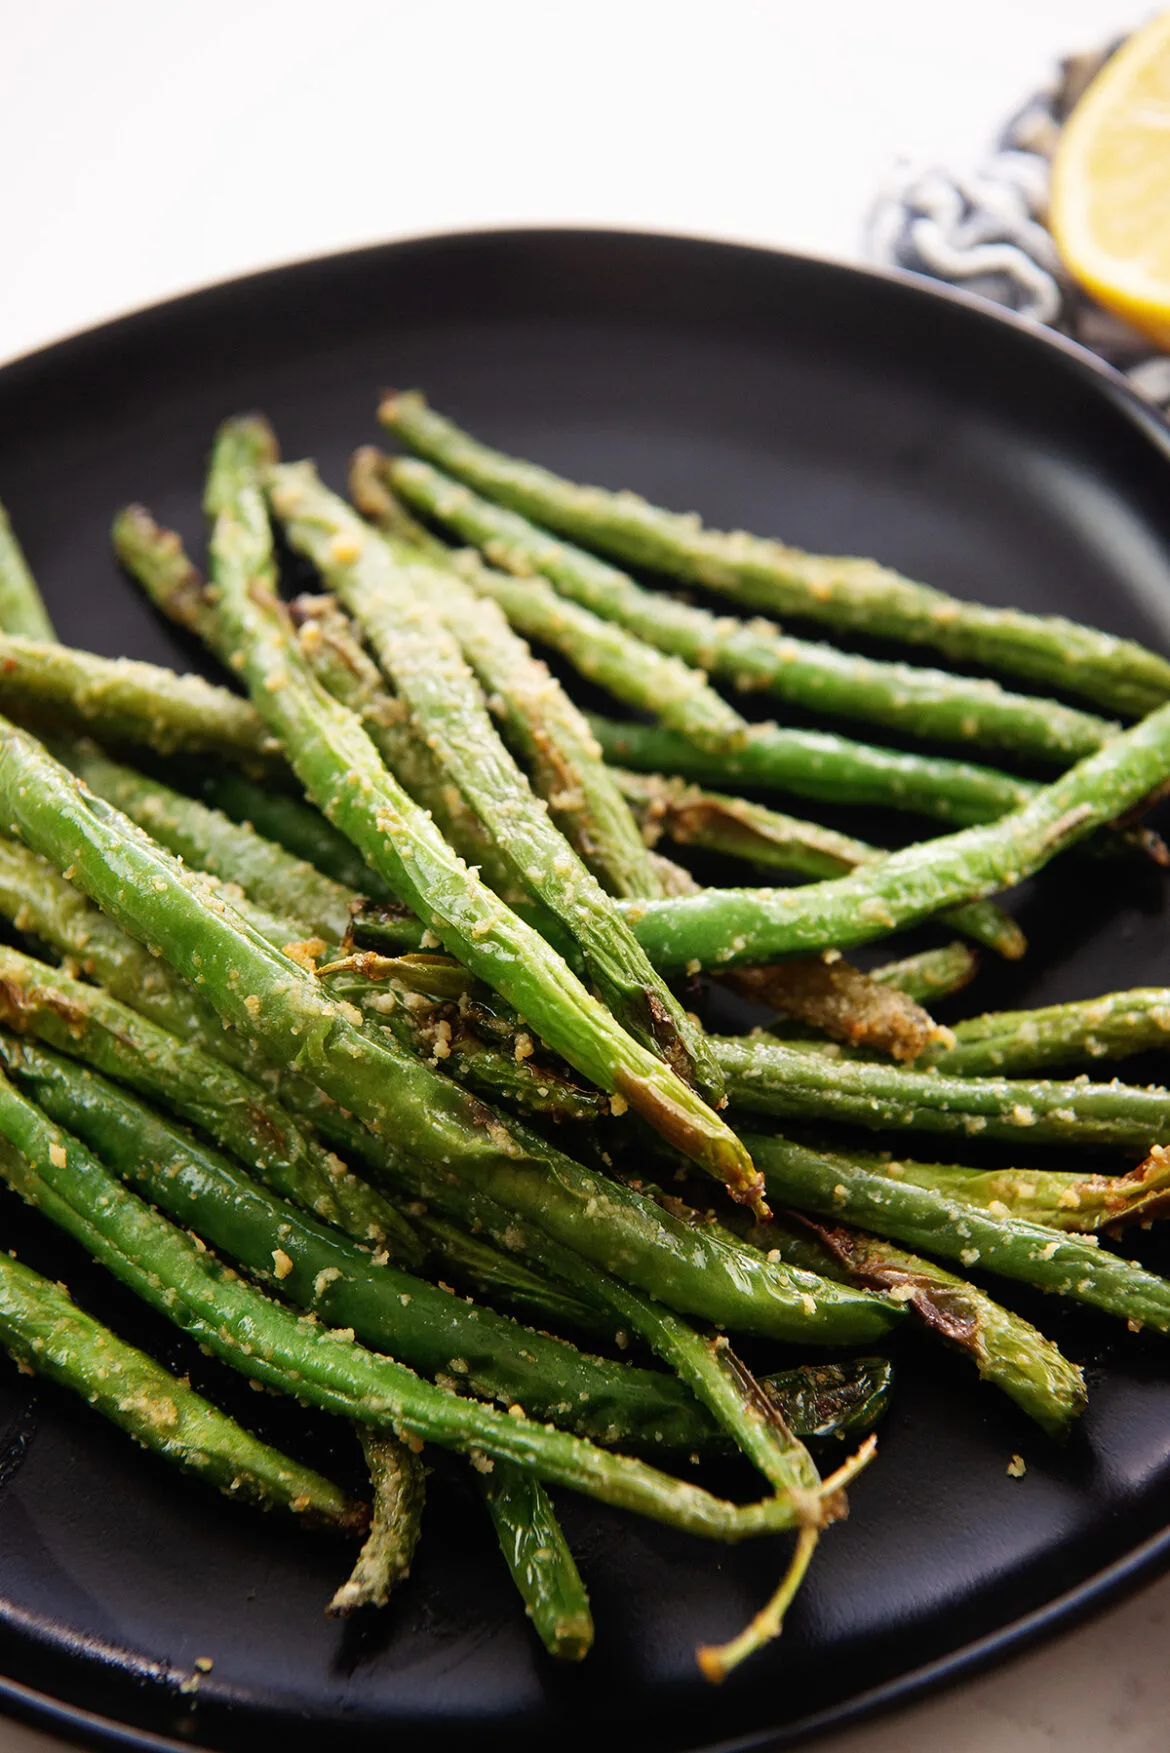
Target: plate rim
pixel 1113 1582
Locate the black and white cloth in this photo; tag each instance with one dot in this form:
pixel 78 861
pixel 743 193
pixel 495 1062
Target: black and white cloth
pixel 986 231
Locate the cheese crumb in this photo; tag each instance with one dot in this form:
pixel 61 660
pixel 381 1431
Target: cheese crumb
pixel 1016 1467
pixel 345 549
pixel 281 1262
pixel 58 1156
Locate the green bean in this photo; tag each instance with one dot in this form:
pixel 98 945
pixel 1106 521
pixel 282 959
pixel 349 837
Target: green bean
pixel 926 977
pixel 1015 1041
pixel 833 1399
pixel 340 767
pixel 269 1344
pixel 1060 1198
pixel 156 559
pixel 818 764
pixel 48 1335
pixel 209 841
pixel 35 894
pixel 719 928
pixel 537 1554
pixel 755 655
pixel 445 1035
pixel 714 737
pixel 399 1481
pixel 243 1116
pixel 833 996
pixel 739 829
pixel 298 827
pixel 856 595
pixel 930 974
pixel 1007 1350
pixel 22 608
pixel 389 1310
pixel 467 1348
pixel 776 1079
pixel 331 645
pixel 717 740
pixel 636 673
pixel 123 700
pixel 926 1220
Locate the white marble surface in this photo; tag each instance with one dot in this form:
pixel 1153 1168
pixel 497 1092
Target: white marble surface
pixel 147 146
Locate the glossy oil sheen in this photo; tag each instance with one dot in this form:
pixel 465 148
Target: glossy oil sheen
pixel 843 411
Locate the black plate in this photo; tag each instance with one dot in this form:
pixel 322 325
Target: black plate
pixel 850 412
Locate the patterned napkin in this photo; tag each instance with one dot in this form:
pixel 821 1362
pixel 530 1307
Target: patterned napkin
pixel 985 231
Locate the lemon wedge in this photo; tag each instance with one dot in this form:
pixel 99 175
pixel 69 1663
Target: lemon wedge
pixel 1110 206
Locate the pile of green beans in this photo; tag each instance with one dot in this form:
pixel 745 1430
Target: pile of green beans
pixel 364 974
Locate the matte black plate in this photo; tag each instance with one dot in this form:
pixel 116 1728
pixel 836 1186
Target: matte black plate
pixel 848 412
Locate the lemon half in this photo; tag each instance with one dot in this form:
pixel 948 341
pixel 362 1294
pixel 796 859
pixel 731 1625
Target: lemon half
pixel 1110 206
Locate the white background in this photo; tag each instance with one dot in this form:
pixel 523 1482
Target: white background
pixel 147 146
